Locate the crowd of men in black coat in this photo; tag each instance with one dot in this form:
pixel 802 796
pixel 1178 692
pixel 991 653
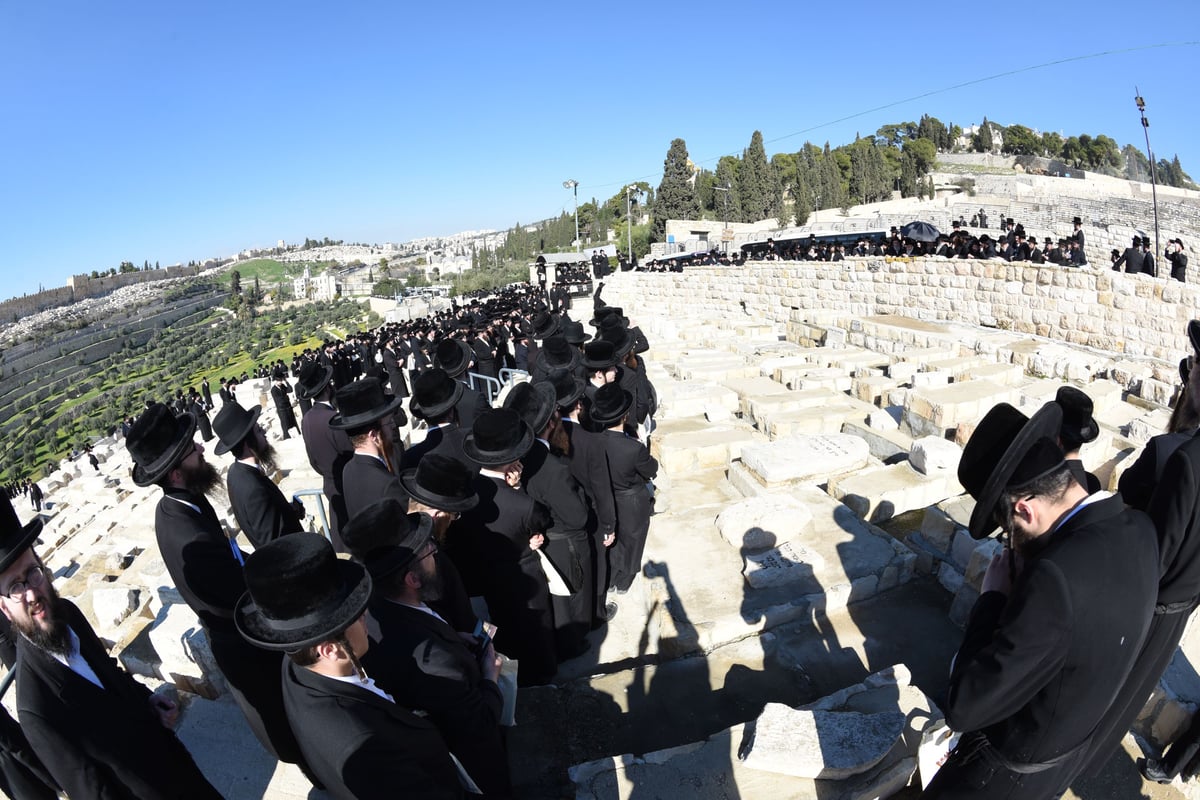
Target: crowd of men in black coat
pixel 531 517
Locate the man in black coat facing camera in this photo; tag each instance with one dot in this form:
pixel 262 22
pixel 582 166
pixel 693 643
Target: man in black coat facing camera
pixel 1060 620
pixel 100 733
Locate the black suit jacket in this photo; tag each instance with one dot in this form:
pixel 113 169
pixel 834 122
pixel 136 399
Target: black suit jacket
pixel 199 558
pixel 363 747
pixel 328 449
pixel 548 480
pixel 423 663
pixel 446 440
pixel 100 744
pixel 470 406
pixel 630 464
pixel 589 465
pixel 262 512
pixel 365 480
pixel 1038 669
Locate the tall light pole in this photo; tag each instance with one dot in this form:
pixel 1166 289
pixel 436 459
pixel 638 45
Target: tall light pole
pixel 1141 105
pixel 629 219
pixel 573 185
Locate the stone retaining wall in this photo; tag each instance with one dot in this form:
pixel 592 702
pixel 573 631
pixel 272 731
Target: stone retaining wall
pixel 1132 315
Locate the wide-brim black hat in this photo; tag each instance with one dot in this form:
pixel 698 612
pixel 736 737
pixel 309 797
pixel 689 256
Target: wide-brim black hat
pixel 499 436
pixel 544 324
pixel 233 424
pixel 384 537
pixel 299 593
pixel 1028 451
pixel 15 538
pixel 454 356
pixel 599 355
pixel 1076 221
pixel 609 405
pixel 568 387
pixel 361 403
pixel 621 340
pixel 441 482
pixel 1078 422
pixel 434 393
pixel 535 402
pixel 157 441
pixel 557 353
pixel 574 333
pixel 312 379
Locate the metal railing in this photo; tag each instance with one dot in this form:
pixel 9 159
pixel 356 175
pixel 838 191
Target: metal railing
pixel 320 495
pixel 491 386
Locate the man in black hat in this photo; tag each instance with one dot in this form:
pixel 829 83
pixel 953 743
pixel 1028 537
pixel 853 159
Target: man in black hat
pixel 226 393
pixel 1176 255
pixel 1174 508
pixel 303 600
pixel 435 399
pixel 630 468
pixel 393 364
pixel 546 474
pixel 1132 258
pixel 261 510
pixel 419 658
pixel 365 415
pixel 206 567
pixel 1071 597
pixel 98 732
pixel 280 389
pixel 455 357
pixel 589 465
pixel 503 532
pixel 1078 428
pixel 328 449
pixel 1148 264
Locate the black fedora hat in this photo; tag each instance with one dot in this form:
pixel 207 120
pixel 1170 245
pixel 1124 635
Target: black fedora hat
pixel 1076 221
pixel 233 424
pixel 312 379
pixel 556 353
pixel 384 537
pixel 434 393
pixel 362 402
pixel 544 324
pixel 568 387
pixel 535 402
pixel 605 311
pixel 157 441
pixel 621 340
pixel 441 482
pixel 574 333
pixel 15 538
pixel 1028 450
pixel 1077 423
pixel 609 404
pixel 299 593
pixel 599 355
pixel 499 436
pixel 453 356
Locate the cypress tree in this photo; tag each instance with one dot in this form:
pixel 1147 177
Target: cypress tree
pixel 676 197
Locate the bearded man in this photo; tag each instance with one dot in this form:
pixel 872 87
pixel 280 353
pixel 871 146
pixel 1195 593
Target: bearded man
pixel 262 512
pixel 99 733
pixel 206 566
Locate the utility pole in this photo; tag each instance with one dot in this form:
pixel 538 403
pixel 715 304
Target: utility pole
pixel 573 185
pixel 1141 105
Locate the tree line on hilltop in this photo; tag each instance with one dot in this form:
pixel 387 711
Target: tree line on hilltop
pixel 791 186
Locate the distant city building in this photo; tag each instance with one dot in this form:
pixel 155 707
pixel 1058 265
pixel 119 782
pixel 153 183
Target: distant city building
pixel 321 287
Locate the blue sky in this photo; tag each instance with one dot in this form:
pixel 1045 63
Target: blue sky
pixel 166 132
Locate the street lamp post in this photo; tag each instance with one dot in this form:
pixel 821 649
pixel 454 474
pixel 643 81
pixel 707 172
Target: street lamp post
pixel 1141 105
pixel 573 185
pixel 629 219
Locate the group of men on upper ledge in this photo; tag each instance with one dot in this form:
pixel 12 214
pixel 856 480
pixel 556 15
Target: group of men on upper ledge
pixel 508 530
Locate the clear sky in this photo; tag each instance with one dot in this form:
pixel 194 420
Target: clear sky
pixel 167 131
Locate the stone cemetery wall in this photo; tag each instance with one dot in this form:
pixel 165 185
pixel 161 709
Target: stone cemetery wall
pixel 1130 315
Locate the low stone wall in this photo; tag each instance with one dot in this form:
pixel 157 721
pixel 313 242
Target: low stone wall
pixel 1130 315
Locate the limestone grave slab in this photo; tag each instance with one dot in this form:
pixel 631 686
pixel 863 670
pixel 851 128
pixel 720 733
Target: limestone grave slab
pixel 789 564
pixel 690 399
pixel 764 521
pixel 753 387
pixel 882 493
pixel 939 410
pixel 829 745
pixel 872 389
pixel 710 446
pixel 706 770
pixel 931 454
pixel 762 406
pixel 805 458
pixel 883 444
pixel 1003 374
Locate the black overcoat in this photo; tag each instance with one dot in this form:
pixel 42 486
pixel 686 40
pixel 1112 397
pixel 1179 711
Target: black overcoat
pixel 423 663
pixel 283 406
pixel 262 512
pixel 1038 668
pixel 100 743
pixel 363 747
pixel 328 451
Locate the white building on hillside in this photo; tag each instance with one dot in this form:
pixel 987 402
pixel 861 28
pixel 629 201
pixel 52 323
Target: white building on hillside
pixel 322 287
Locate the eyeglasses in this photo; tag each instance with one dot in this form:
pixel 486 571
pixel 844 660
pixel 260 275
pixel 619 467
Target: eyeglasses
pixel 34 577
pixel 433 551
